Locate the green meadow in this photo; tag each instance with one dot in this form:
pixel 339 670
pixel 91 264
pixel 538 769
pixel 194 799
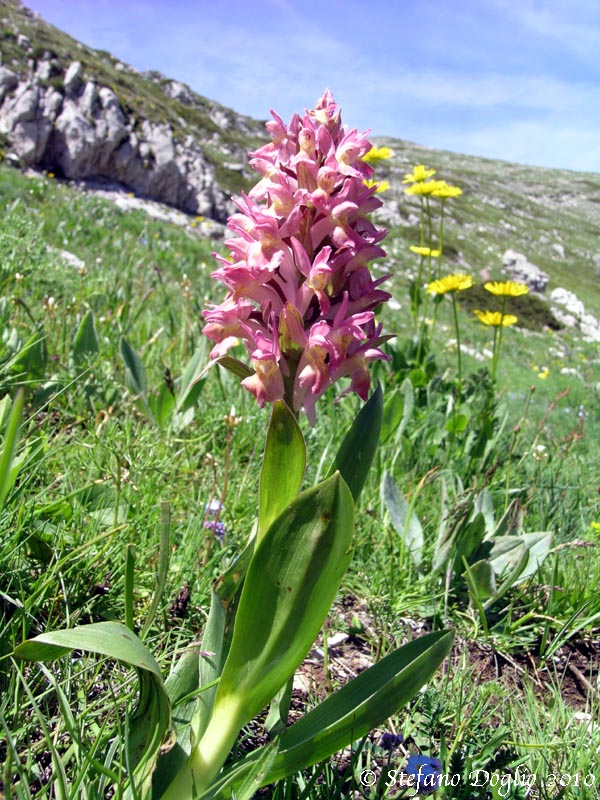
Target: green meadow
pixel 123 442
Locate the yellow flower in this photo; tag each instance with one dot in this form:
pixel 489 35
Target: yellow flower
pixel 451 283
pixel 506 288
pixel 426 187
pixel 377 154
pixel 419 173
pixel 425 251
pixel 382 186
pixel 495 318
pixel 444 190
pixel 543 374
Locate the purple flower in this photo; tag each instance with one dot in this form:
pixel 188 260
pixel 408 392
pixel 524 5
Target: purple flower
pixel 300 296
pixel 426 771
pixel 218 528
pixel 389 741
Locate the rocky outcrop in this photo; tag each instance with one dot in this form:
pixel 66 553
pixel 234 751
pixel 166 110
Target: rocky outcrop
pixel 518 268
pixel 570 311
pixel 78 129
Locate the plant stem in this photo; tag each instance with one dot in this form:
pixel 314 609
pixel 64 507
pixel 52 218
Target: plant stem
pixel 457 328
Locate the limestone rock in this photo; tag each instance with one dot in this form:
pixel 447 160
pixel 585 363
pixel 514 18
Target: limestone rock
pixel 73 79
pixel 82 133
pixel 518 268
pixel 571 312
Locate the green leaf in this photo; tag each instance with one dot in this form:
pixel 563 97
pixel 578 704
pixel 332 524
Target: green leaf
pixel 32 356
pixel 192 380
pixel 198 667
pixel 349 714
pixel 161 405
pixel 507 551
pixel 291 582
pixel 283 465
pixel 134 369
pixel 483 579
pixel 152 716
pixel 403 519
pixel 135 376
pixel 85 340
pixel 457 423
pixel 8 474
pixel 355 456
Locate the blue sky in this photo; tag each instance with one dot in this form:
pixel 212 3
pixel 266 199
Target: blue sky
pixel 512 79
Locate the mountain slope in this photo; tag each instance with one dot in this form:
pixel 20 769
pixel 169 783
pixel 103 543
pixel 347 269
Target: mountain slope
pixel 81 113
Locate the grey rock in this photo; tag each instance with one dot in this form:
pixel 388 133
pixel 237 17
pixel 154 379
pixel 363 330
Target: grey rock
pixel 558 251
pixel 180 91
pixel 73 79
pixel 8 82
pixel 518 268
pixel 83 133
pixel 570 311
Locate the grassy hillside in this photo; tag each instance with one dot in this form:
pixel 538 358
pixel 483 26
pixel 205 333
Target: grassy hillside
pixel 100 453
pixel 123 447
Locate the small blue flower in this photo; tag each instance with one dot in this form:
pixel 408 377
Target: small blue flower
pixel 389 741
pixel 218 528
pixel 426 771
pixel 213 507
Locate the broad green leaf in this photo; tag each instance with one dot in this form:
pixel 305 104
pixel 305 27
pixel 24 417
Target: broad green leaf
pixel 469 538
pixel 404 520
pixel 229 582
pixel 162 404
pixel 408 393
pixel 484 503
pixel 85 340
pixel 355 456
pixel 456 423
pixel 134 369
pixel 192 380
pixel 392 414
pixel 197 668
pixel 32 356
pixel 8 475
pixel 349 714
pixel 152 716
pixel 291 582
pixel 483 579
pixel 507 551
pixel 135 376
pixel 283 465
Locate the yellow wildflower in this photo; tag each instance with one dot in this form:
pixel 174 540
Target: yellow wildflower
pixel 425 187
pixel 495 318
pixel 382 186
pixel 506 288
pixel 543 373
pixel 425 251
pixel 451 283
pixel 419 173
pixel 377 154
pixel 444 190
